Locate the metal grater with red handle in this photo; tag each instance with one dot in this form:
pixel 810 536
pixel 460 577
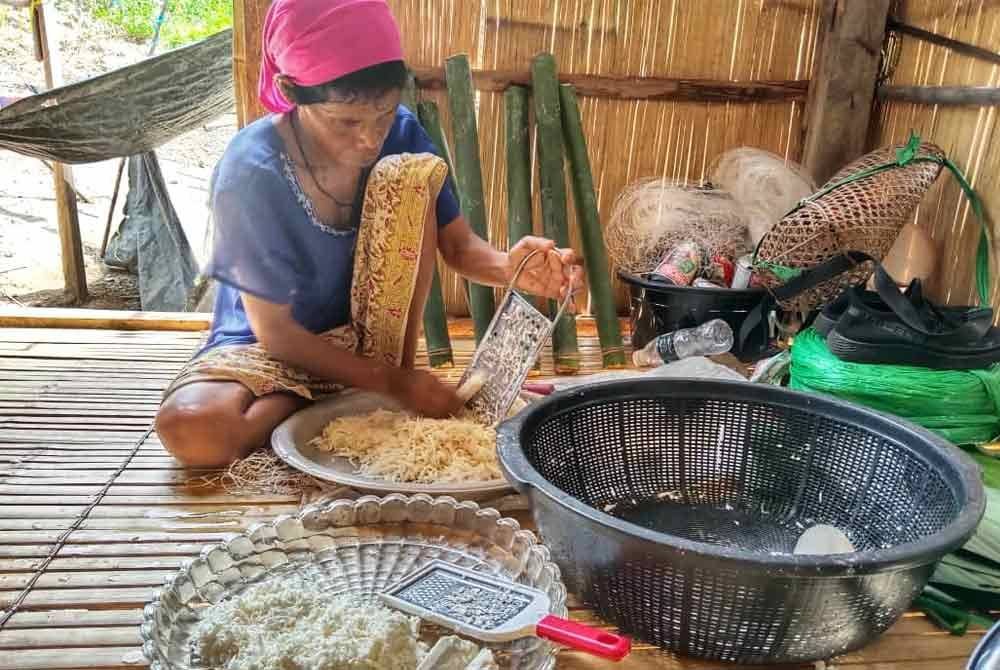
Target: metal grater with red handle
pixel 492 609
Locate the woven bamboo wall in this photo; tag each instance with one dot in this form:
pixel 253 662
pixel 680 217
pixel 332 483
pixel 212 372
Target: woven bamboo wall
pixel 967 134
pixel 725 40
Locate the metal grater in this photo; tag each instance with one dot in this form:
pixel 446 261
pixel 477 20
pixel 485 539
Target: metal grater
pixel 479 605
pixel 508 352
pixel 464 599
pixel 493 609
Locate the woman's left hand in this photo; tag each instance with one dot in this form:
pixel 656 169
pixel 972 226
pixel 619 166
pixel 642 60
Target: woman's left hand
pixel 549 273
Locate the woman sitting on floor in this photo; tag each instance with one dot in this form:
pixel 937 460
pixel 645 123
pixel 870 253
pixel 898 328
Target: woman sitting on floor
pixel 328 216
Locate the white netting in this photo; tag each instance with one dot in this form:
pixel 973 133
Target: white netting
pixel 654 215
pixel 766 185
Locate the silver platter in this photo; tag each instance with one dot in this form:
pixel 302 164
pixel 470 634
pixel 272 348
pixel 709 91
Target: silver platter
pixel 354 546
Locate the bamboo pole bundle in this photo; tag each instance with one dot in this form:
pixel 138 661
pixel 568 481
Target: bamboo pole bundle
pixel 439 350
pixel 592 239
pixel 461 100
pixel 553 193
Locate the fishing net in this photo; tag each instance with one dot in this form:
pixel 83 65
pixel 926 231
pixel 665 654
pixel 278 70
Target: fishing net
pixel 765 184
pixel 862 208
pixel 652 216
pixel 963 406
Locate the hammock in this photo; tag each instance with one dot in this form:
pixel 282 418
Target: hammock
pixel 127 111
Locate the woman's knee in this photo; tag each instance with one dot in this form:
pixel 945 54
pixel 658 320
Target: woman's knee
pixel 202 431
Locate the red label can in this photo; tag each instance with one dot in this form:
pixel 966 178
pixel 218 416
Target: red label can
pixel 681 265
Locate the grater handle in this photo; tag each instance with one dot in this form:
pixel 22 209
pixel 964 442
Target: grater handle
pixel 517 273
pixel 520 269
pixel 584 638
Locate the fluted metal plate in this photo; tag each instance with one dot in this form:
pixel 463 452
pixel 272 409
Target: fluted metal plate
pixel 290 442
pixel 354 546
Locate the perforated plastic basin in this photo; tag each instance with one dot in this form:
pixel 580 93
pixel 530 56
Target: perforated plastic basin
pixel 672 507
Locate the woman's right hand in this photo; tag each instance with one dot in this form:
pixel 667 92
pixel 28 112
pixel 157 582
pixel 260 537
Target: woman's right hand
pixel 423 393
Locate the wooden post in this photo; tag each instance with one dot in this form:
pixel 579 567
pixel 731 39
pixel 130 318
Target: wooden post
pixel 843 88
pixel 957 46
pixel 622 87
pixel 248 27
pixel 46 23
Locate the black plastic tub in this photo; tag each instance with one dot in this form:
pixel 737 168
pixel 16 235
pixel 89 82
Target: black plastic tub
pixel 672 507
pixel 656 308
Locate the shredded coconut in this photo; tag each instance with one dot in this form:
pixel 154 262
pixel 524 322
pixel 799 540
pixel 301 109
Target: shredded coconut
pixel 286 624
pixel 398 447
pixel 453 653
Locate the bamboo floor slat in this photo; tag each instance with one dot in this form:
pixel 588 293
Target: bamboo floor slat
pixel 76 408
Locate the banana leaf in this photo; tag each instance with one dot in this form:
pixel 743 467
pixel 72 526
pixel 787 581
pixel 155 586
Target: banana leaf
pixel 968 573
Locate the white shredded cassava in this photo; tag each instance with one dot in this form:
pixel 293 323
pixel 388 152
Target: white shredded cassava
pixel 287 624
pixel 399 447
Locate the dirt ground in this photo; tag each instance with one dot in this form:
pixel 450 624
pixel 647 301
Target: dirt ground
pixel 30 262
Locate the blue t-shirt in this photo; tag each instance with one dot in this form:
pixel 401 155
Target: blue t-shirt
pixel 269 243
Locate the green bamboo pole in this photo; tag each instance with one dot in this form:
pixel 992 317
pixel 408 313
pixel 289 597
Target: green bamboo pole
pixel 439 350
pixel 595 255
pixel 518 164
pixel 545 86
pixel 518 129
pixel 430 119
pixel 409 97
pixel 469 176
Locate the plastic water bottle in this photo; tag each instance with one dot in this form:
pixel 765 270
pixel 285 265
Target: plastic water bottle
pixel 708 339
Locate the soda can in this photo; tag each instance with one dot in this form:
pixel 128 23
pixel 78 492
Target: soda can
pixel 744 269
pixel 680 265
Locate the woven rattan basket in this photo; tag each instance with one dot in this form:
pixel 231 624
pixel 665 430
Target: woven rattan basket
pixel 862 208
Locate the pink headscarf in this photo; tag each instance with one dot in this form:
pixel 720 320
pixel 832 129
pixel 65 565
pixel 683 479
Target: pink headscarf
pixel 316 41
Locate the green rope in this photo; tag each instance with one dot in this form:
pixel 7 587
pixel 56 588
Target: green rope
pixel 960 405
pixel 904 156
pixel 983 250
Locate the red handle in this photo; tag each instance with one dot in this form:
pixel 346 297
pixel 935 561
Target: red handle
pixel 584 638
pixel 541 388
